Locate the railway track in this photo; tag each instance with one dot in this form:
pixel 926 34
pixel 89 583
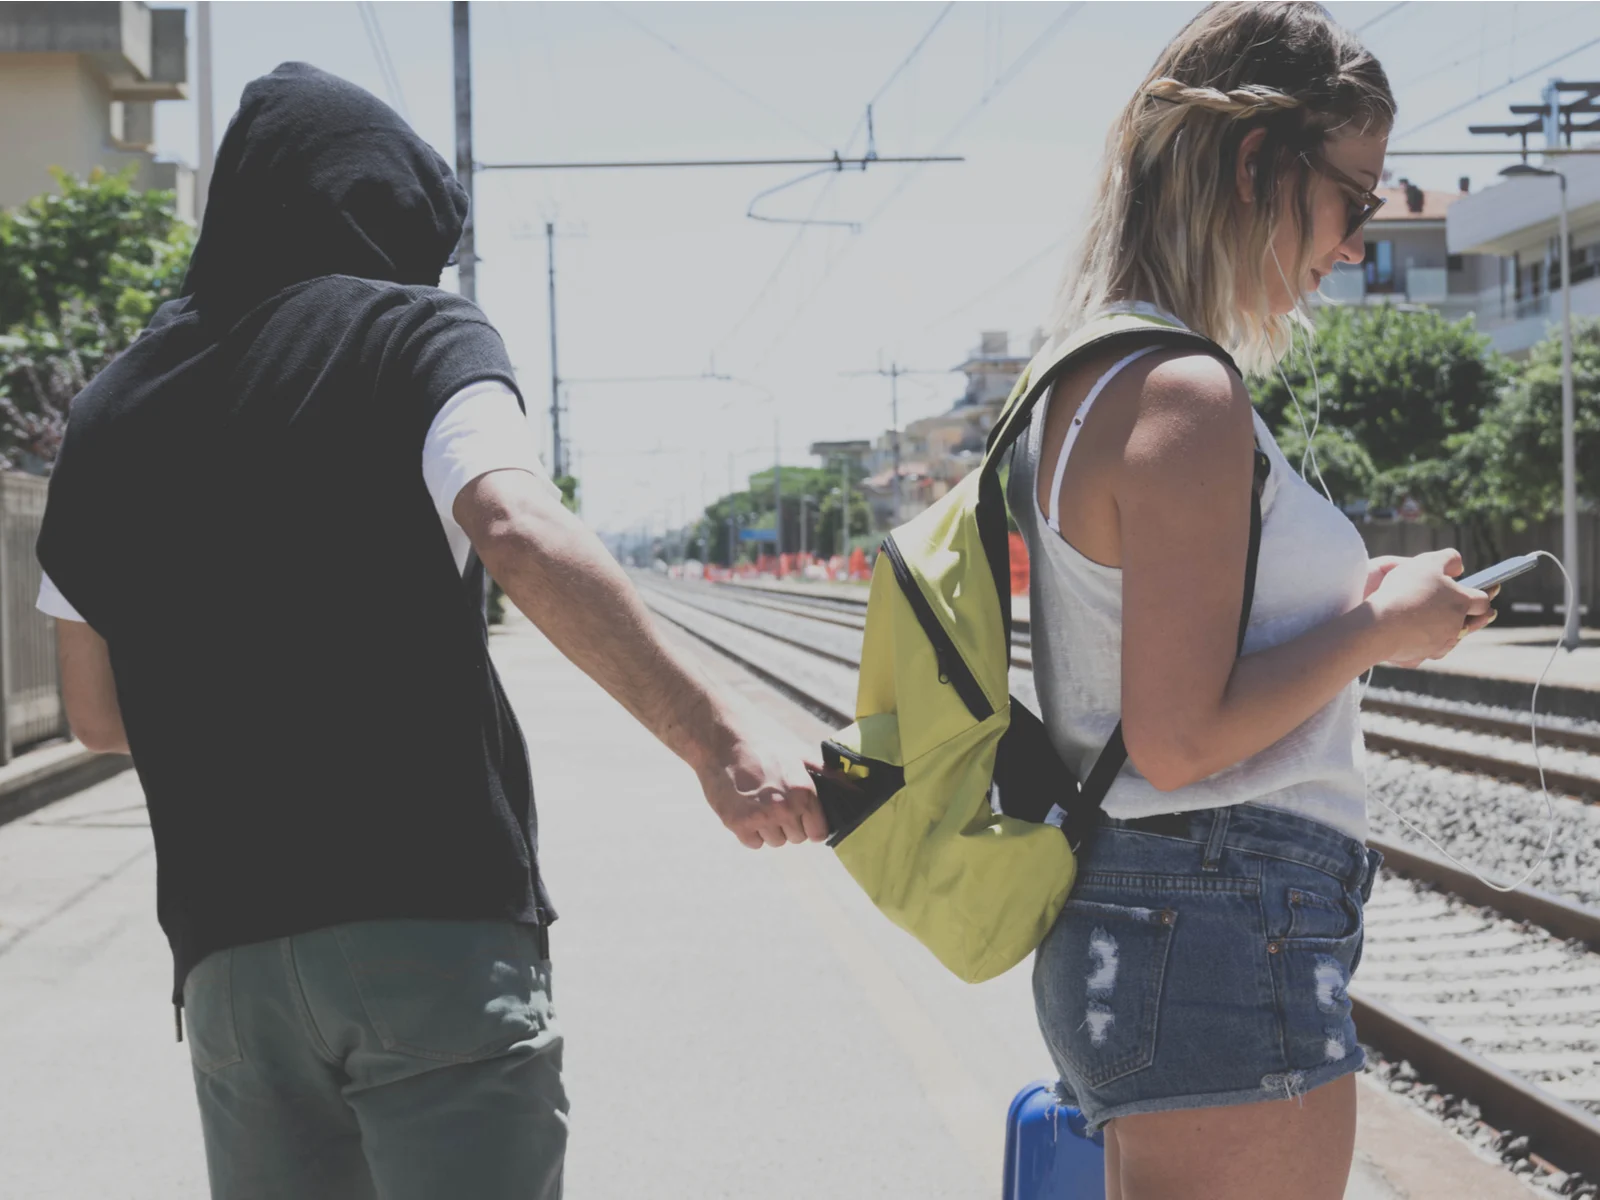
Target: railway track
pixel 1492 996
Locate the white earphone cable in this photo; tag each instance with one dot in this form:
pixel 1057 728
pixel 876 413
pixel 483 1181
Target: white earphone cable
pixel 1310 457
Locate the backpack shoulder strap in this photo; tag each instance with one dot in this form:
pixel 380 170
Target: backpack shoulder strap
pixel 1133 329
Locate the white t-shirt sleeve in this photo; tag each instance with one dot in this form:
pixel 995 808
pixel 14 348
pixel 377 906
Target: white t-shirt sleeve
pixel 52 603
pixel 480 429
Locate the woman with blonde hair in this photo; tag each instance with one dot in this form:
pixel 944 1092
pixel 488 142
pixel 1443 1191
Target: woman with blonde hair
pixel 1193 991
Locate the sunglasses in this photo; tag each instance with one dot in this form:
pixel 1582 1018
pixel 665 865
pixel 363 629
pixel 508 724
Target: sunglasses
pixel 1362 202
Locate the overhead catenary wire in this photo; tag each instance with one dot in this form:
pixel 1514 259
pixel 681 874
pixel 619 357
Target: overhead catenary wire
pixel 1012 73
pixel 1486 93
pixel 826 190
pixel 708 69
pixel 1474 56
pixel 1390 11
pixel 1020 269
pixel 380 51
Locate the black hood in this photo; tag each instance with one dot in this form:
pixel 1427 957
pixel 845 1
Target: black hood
pixel 316 177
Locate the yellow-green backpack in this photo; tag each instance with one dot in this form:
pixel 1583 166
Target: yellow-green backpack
pixel 946 800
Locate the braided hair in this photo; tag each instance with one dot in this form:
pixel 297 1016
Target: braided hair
pixel 1167 225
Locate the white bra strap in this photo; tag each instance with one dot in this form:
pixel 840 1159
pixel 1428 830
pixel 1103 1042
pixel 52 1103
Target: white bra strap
pixel 1075 427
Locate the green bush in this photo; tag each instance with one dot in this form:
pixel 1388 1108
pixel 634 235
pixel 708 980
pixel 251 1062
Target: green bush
pixel 1396 385
pixel 81 272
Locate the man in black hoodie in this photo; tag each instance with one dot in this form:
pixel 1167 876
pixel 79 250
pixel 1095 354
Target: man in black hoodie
pixel 342 808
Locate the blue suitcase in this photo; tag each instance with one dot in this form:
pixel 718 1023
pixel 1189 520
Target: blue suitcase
pixel 1048 1156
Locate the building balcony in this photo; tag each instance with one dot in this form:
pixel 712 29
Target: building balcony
pixel 141 53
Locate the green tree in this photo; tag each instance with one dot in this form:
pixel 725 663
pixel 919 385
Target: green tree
pixel 1507 469
pixel 81 271
pixel 569 491
pixel 1396 386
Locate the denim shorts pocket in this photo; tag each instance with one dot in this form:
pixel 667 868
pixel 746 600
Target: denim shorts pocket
pixel 210 1026
pixel 1097 986
pixel 1315 916
pixel 450 991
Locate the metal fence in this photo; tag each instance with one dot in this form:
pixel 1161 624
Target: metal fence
pixel 1540 590
pixel 31 709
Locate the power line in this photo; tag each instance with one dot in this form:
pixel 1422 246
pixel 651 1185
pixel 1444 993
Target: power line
pixel 770 109
pixel 826 190
pixel 1466 58
pixel 834 163
pixel 380 51
pixel 1018 65
pixel 1393 8
pixel 911 57
pixel 1022 268
pixel 1450 112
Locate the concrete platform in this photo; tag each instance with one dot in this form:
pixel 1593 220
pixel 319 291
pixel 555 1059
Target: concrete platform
pixel 740 1024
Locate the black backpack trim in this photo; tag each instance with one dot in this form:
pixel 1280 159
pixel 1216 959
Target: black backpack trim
pixel 1026 759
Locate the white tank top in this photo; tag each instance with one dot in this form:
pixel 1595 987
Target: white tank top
pixel 1312 568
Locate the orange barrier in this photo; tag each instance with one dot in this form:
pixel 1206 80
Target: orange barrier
pixel 1019 565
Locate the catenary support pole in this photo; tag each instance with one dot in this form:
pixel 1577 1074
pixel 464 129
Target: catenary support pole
pixel 1571 637
pixel 204 103
pixel 894 419
pixel 466 255
pixel 557 463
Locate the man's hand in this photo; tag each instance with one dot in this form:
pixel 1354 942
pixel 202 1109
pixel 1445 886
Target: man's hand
pixel 567 584
pixel 763 800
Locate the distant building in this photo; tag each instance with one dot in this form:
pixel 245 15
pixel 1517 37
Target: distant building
pixel 1519 219
pixel 936 452
pixel 78 89
pixel 1409 260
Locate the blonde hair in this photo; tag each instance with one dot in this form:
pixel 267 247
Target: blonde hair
pixel 1167 225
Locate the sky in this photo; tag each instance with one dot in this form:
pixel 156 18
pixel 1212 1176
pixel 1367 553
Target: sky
pixel 660 273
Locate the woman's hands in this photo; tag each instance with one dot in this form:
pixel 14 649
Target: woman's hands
pixel 1421 607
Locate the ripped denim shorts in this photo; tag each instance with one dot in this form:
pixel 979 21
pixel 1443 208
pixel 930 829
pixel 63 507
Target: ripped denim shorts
pixel 1202 960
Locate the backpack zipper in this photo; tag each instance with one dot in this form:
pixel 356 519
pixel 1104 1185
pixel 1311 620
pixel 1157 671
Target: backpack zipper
pixel 953 668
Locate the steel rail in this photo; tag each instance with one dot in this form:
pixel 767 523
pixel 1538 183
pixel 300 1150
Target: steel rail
pixel 1512 727
pixel 1560 1132
pixel 1557 1131
pixel 1572 783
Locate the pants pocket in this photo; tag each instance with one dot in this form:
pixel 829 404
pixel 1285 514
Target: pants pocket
pixel 452 991
pixel 210 1026
pixel 1097 986
pixel 1312 966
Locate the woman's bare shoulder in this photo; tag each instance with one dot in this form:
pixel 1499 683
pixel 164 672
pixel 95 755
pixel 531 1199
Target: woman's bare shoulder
pixel 1186 403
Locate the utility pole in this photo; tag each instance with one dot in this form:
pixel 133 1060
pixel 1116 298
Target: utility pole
pixel 844 504
pixel 894 371
pixel 1555 119
pixel 203 100
pixel 894 421
pixel 556 464
pixel 466 254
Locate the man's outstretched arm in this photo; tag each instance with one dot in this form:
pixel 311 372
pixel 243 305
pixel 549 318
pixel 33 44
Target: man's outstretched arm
pixel 559 574
pixel 88 688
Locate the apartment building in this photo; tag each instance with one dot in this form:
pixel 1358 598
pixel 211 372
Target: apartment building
pixel 1409 259
pixel 1519 219
pixel 78 88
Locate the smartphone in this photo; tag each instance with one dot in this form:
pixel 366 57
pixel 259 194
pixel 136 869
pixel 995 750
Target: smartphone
pixel 1509 569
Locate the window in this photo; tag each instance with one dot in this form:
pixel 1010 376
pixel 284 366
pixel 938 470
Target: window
pixel 1379 266
pixel 1585 262
pixel 1456 262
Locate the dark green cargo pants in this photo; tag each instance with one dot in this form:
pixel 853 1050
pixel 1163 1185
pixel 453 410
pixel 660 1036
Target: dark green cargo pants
pixel 383 1060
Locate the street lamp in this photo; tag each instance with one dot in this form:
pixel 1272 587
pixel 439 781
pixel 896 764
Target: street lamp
pixel 1570 637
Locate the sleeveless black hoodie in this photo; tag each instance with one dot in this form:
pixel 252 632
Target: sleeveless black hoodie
pixel 239 510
